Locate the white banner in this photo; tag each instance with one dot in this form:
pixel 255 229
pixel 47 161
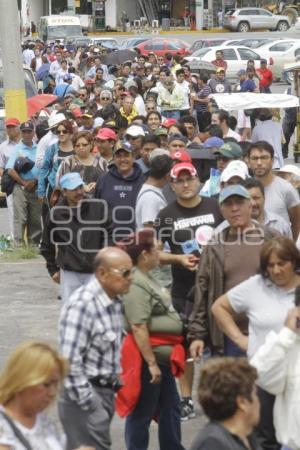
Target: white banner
pixel 249 100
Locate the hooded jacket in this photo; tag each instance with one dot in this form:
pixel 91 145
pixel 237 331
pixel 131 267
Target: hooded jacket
pixel 73 236
pixel 120 194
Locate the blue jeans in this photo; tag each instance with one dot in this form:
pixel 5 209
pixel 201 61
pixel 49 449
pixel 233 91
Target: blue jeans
pixel 160 401
pixel 230 349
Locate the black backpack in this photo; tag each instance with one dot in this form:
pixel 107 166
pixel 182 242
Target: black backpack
pixel 7 183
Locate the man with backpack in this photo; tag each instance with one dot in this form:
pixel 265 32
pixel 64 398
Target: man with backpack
pixel 12 126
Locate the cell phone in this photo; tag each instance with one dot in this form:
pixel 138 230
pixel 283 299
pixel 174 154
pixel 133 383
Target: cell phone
pixel 297 302
pixel 297 296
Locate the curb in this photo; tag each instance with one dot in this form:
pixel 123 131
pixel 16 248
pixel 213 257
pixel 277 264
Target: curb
pixel 160 32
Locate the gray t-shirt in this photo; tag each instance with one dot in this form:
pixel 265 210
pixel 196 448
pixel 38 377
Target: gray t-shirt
pixel 280 196
pixel 219 87
pixel 265 305
pixel 150 201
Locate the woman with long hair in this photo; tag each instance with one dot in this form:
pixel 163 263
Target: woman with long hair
pixel 54 155
pixel 28 386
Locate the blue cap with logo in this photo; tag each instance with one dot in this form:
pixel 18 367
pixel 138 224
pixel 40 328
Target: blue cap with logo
pixel 235 189
pixel 213 141
pixel 71 181
pixel 124 145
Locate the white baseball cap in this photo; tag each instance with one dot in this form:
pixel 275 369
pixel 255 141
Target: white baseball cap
pixel 234 169
pixel 135 131
pixel 290 168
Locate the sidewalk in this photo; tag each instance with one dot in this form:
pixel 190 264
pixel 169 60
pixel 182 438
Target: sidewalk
pixel 179 31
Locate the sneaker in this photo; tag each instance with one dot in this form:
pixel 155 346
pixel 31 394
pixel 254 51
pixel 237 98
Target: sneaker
pixel 187 410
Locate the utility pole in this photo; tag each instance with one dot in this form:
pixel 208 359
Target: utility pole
pixel 199 12
pixel 13 77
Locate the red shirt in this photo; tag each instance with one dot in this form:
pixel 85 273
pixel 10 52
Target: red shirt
pixel 220 63
pixel 267 77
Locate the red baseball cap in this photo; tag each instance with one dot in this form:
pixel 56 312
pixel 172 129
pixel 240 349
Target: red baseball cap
pixel 178 168
pixel 76 113
pixel 106 133
pixel 181 156
pixel 168 123
pixel 13 122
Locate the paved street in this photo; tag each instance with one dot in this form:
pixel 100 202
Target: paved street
pixel 29 303
pixel 29 309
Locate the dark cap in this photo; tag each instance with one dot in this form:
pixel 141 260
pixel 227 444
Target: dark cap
pixel 27 126
pixel 230 150
pixel 263 61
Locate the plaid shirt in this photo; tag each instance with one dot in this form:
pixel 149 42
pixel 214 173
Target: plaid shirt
pixel 90 333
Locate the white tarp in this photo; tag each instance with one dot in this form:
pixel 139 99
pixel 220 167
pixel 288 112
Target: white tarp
pixel 249 100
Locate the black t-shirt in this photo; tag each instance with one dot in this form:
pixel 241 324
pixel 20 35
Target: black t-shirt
pixel 186 230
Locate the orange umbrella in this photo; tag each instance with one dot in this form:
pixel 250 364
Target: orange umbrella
pixel 39 102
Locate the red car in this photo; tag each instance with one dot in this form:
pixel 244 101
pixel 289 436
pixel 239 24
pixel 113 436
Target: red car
pixel 161 46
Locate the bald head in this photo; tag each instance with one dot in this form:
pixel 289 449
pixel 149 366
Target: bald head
pixel 113 270
pixel 111 257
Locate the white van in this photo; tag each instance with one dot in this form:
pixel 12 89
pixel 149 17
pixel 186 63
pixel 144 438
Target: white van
pixel 58 27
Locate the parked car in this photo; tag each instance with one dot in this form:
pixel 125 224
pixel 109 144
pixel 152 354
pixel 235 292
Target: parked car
pixel 85 41
pixel 236 58
pixel 203 43
pixel 161 46
pixel 105 42
pixel 30 83
pixel 245 19
pixel 280 52
pixel 132 42
pixel 253 42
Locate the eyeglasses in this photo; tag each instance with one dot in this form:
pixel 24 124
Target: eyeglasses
pixel 81 145
pixel 261 158
pixel 125 273
pixel 60 132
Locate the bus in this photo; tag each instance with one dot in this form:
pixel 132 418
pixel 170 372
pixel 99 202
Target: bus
pixel 56 27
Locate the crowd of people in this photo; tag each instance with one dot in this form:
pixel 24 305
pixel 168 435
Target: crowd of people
pixel 172 229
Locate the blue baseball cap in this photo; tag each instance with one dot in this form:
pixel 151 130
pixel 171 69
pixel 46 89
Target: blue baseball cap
pixel 71 181
pixel 124 145
pixel 235 189
pixel 213 141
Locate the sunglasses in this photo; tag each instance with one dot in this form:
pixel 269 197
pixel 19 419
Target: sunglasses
pixel 81 95
pixel 105 98
pixel 125 273
pixel 60 132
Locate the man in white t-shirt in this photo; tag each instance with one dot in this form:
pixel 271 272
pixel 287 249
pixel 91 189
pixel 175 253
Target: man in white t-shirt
pixel 184 85
pixel 151 199
pixel 281 197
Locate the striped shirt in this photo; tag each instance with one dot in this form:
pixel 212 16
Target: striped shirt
pixel 202 93
pixel 90 333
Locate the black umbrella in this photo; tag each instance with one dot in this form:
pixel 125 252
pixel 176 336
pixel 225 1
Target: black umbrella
pixel 119 57
pixel 201 65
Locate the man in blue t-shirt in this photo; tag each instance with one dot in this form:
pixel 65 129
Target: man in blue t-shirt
pixel 245 84
pixel 27 209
